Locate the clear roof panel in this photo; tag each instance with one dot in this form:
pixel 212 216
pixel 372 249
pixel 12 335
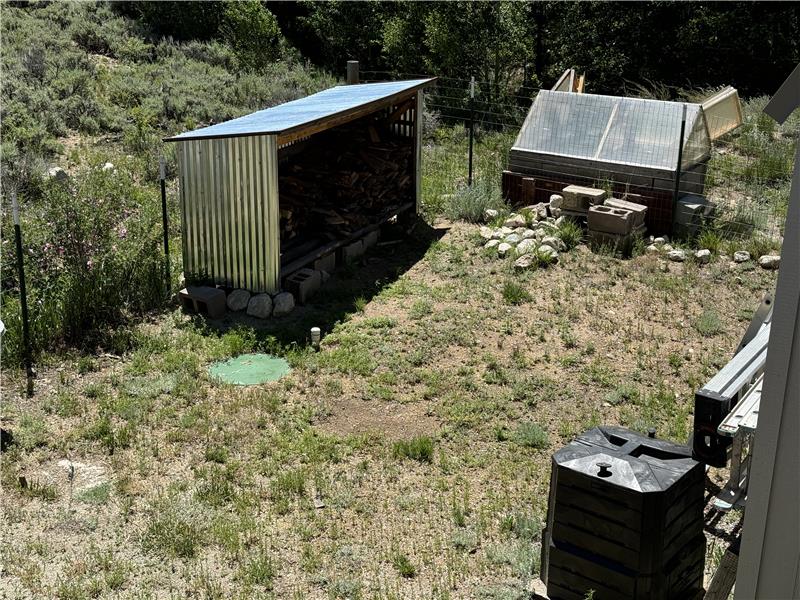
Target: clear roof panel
pixel 632 131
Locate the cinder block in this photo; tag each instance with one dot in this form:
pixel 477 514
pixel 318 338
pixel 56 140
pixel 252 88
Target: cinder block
pixel 371 239
pixel 326 263
pixel 352 252
pixel 610 220
pixel 303 284
pixel 639 211
pixel 577 197
pixel 203 299
pixel 690 214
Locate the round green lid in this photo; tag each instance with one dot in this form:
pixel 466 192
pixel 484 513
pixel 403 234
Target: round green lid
pixel 249 369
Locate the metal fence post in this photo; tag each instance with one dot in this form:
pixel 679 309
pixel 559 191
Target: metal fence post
pixel 23 295
pixel 352 71
pixel 678 168
pixel 471 125
pixel 162 175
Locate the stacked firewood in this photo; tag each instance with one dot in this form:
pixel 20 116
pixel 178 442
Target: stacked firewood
pixel 345 179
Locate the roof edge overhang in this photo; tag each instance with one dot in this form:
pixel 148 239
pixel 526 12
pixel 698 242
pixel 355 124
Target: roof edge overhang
pixel 291 134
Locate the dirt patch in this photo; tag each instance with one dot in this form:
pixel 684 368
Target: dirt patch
pixel 354 416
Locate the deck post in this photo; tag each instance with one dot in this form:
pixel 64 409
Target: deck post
pixel 352 72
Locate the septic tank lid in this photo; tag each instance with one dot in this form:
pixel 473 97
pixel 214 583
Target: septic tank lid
pixel 249 369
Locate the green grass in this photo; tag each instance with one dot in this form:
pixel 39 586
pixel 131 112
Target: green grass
pixel 515 293
pixel 98 494
pixel 418 448
pixel 403 565
pixel 708 323
pixel 531 435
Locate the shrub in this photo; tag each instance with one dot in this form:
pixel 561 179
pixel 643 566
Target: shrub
pixel 253 32
pixel 469 202
pixel 419 448
pixel 708 323
pixel 710 239
pixel 531 435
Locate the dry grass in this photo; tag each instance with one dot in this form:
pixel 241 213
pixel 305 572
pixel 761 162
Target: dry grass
pixel 409 458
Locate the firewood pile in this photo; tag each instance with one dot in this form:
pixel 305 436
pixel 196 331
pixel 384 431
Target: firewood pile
pixel 344 180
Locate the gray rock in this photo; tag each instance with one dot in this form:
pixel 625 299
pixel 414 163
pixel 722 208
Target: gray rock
pixel 526 261
pixel 770 261
pixel 498 234
pixel 260 306
pixel 528 234
pixel 554 242
pixel 238 300
pixel 490 214
pixel 547 226
pixel 512 239
pixel 503 248
pixel 526 245
pixel 520 230
pixel 492 244
pixel 486 232
pixel 652 249
pixel 741 256
pixel 324 276
pixel 282 304
pixel 703 256
pixel 57 173
pixel 676 255
pixel 556 201
pixel 660 241
pixel 555 212
pixel 514 220
pixel 506 230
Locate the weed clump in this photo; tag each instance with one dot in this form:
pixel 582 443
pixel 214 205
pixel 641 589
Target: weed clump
pixel 469 202
pixel 418 448
pixel 531 435
pixel 515 294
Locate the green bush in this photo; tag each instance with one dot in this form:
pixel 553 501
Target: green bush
pixel 514 293
pixel 469 202
pixel 253 32
pixel 418 448
pixel 571 233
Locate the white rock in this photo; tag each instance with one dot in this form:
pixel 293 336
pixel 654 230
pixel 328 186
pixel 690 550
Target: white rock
pixel 108 167
pixel 520 230
pixel 282 304
pixel 555 212
pixel 554 242
pixel 676 255
pixel 260 306
pixel 492 244
pixel 486 232
pixel 558 221
pixel 548 251
pixel 547 226
pixel 514 220
pixel 652 249
pixel 556 201
pixel 703 256
pixel 512 239
pixel 238 299
pixel 770 261
pixel 659 241
pixel 526 245
pixel 667 248
pixel 525 261
pixel 489 214
pixel 541 211
pixel 506 230
pixel 741 256
pixel 498 234
pixel 503 248
pixel 528 234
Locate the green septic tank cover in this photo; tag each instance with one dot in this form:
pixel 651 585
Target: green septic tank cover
pixel 249 369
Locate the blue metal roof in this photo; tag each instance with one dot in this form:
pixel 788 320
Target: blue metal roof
pixel 299 113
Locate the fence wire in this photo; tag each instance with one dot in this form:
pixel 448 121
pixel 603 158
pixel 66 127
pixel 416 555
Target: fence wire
pixel 628 147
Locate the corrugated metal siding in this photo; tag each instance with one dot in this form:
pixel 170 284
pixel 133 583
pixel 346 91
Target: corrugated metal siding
pixel 229 208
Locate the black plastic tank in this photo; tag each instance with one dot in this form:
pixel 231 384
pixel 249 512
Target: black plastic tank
pixel 625 519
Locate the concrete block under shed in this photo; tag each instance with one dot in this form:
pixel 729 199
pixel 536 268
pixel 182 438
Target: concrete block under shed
pixel 203 299
pixel 638 211
pixel 610 220
pixel 689 215
pixel 326 263
pixel 352 252
pixel 303 284
pixel 579 198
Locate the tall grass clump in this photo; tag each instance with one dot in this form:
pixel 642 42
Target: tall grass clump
pixel 570 233
pixel 469 202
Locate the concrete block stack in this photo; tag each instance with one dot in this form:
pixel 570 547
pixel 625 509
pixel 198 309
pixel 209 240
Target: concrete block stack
pixel 616 223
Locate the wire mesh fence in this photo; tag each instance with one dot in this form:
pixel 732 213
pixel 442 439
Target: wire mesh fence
pixel 698 171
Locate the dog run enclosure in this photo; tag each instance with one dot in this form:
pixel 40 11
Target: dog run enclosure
pixel 264 195
pixel 650 151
